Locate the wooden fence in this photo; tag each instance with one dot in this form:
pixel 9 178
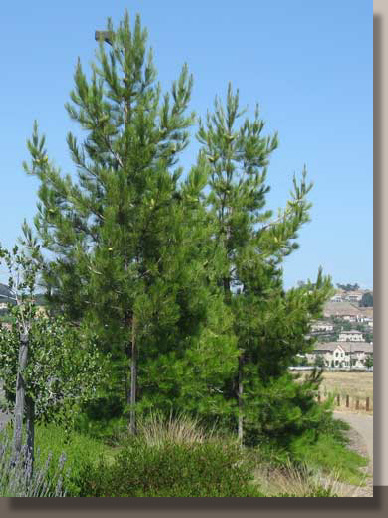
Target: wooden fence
pixel 346 401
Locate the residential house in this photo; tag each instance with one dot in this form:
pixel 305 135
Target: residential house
pixel 350 336
pixel 342 354
pixel 358 353
pixel 332 354
pixel 364 318
pixel 319 327
pixel 350 318
pixel 353 296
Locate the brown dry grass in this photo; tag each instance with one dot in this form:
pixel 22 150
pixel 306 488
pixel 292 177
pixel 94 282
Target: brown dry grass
pixel 354 384
pixel 302 482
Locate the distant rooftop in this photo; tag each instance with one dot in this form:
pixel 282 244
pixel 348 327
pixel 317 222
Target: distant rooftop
pixel 347 347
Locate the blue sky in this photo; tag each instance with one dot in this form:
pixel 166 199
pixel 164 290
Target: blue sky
pixel 307 63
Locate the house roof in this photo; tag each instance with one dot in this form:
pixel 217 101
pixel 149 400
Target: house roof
pixel 358 347
pixel 347 347
pixel 328 346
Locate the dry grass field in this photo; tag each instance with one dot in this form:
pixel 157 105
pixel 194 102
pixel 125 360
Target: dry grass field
pixel 353 384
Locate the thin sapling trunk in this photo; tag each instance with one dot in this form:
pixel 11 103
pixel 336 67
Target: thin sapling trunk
pixel 20 396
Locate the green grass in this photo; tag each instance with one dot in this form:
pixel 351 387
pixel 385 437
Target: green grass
pixel 78 448
pixel 329 455
pixel 18 480
pixel 296 469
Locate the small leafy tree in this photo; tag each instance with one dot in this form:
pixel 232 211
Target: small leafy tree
pixel 48 366
pixel 319 362
pixel 367 300
pixel 348 286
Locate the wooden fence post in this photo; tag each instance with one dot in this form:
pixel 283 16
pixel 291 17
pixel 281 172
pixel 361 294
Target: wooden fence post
pixel 357 403
pixel 367 404
pixel 347 400
pixel 338 399
pixel 319 397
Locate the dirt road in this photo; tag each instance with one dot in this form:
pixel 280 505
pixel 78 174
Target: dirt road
pixel 361 441
pixel 363 424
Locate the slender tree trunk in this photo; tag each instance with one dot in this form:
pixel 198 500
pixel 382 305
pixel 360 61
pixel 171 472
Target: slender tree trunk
pixel 20 396
pixel 132 417
pixel 30 410
pixel 240 399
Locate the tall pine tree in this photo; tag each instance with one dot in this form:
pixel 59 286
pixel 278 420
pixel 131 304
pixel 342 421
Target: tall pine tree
pixel 130 242
pixel 270 325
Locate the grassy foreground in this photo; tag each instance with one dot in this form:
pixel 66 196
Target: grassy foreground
pixel 177 457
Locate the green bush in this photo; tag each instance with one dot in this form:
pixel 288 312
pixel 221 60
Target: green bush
pixel 79 449
pixel 108 431
pixel 171 470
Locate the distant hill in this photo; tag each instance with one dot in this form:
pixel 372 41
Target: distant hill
pixel 5 292
pixel 338 309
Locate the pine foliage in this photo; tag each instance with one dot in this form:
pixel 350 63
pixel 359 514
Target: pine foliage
pixel 179 277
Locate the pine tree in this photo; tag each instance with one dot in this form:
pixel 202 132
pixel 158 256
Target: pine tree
pixel 130 243
pixel 270 325
pixel 183 288
pixel 108 230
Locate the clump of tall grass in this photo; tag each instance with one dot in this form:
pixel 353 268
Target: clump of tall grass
pixel 17 479
pixel 297 481
pixel 156 429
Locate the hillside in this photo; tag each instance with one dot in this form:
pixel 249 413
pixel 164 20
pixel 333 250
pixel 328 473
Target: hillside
pixel 345 308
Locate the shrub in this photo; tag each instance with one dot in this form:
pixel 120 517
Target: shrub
pixel 80 450
pixel 108 431
pixel 171 470
pixel 156 429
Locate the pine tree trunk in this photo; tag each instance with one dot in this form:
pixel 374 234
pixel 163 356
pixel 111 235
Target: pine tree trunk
pixel 30 410
pixel 240 399
pixel 20 396
pixel 132 401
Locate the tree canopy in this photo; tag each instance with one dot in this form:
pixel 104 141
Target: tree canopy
pixel 179 276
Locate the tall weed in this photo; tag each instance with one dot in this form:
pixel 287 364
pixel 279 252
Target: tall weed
pixel 16 479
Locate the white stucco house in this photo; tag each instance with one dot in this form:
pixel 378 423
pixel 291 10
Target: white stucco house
pixel 336 298
pixel 341 355
pixel 349 318
pixel 319 327
pixel 353 296
pixel 350 336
